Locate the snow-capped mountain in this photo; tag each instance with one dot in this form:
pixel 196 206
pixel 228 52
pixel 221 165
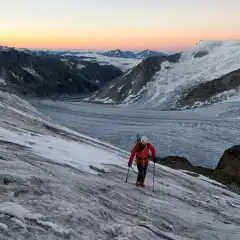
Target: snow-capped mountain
pixel 120 54
pixel 128 54
pixel 60 184
pixel 205 74
pixel 149 53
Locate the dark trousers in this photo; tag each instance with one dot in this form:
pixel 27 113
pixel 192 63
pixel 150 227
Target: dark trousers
pixel 142 170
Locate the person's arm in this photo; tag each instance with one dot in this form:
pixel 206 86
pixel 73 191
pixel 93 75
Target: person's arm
pixel 152 149
pixel 134 150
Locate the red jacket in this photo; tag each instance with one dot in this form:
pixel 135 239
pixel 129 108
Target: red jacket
pixel 144 153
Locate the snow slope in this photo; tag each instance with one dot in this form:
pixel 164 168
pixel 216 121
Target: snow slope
pixel 59 184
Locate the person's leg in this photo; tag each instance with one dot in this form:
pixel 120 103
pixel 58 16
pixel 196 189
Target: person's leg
pixel 144 172
pixel 140 174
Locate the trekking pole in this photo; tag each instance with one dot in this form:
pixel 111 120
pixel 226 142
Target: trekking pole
pixel 127 174
pixel 153 175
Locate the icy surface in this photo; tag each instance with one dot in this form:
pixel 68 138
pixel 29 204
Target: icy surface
pixel 54 195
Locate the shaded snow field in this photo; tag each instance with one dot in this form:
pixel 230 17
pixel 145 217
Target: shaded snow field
pixel 49 191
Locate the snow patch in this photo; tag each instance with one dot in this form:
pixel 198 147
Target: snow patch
pixel 14 101
pixel 18 211
pixel 54 227
pixel 119 89
pixel 31 71
pixel 165 65
pixel 3 226
pixel 81 66
pixel 106 100
pixel 2 81
pixel 19 223
pixel 123 63
pixel 131 97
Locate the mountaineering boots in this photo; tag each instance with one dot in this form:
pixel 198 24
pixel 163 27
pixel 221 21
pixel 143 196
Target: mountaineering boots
pixel 138 183
pixel 142 184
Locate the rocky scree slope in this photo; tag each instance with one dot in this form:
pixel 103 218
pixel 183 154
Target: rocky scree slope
pixel 30 75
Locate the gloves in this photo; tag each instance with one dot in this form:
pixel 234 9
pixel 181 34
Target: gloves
pixel 154 160
pixel 129 164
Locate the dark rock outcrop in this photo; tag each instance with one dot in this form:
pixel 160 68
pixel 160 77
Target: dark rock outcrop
pixel 45 75
pixel 206 92
pixel 200 54
pixel 133 81
pixel 227 171
pixel 230 161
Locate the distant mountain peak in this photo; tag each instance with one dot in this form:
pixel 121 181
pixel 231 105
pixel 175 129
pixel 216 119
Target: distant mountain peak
pixel 129 54
pixel 149 53
pixel 119 53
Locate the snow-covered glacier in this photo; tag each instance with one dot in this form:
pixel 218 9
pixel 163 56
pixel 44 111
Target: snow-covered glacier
pixel 169 84
pixel 59 184
pixel 202 75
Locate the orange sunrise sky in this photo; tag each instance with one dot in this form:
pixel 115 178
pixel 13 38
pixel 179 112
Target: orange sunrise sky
pixel 169 25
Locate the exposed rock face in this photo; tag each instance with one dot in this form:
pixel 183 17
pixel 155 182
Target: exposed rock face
pixel 132 82
pixel 176 162
pixel 230 161
pixel 200 54
pixel 46 75
pixel 227 171
pixel 206 92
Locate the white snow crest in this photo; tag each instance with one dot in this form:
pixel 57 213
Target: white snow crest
pixel 16 102
pixel 18 211
pixel 3 226
pixel 20 215
pixel 2 81
pixel 81 66
pixel 31 71
pixel 106 100
pixel 54 227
